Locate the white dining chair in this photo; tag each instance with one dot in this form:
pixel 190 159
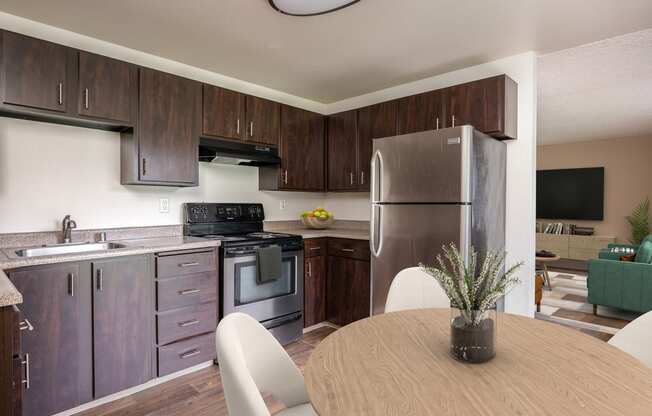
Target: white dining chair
pixel 412 288
pixel 635 339
pixel 251 361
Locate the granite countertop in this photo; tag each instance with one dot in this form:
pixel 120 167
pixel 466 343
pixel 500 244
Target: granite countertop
pixel 10 296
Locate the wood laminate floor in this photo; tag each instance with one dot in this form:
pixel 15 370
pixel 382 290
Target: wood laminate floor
pixel 200 393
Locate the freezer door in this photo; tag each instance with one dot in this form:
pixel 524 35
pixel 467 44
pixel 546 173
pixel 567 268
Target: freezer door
pixel 426 167
pixel 404 235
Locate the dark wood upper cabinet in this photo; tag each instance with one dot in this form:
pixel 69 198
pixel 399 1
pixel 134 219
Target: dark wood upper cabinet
pixel 302 153
pixel 163 148
pixel 223 113
pixel 263 120
pixel 374 122
pixel 343 151
pixel 108 88
pixel 490 105
pixel 123 334
pixel 422 112
pixel 57 302
pixel 37 73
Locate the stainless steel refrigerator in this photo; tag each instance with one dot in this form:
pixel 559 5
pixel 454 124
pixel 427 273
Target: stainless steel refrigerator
pixel 429 189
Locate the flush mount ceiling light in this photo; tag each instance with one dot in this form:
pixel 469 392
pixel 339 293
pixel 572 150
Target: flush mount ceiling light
pixel 309 7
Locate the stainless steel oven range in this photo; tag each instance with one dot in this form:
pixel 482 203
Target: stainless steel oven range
pixel 277 303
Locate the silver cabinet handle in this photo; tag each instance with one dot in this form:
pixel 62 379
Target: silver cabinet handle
pixel 25 324
pixel 100 280
pixel 60 87
pixel 189 292
pixel 309 269
pixel 347 250
pixel 237 126
pixel 86 98
pixel 144 166
pixel 188 323
pixel 315 248
pixel 190 353
pixel 71 284
pixel 453 121
pixel 437 123
pixel 25 362
pixel 362 178
pixel 351 177
pixel 191 264
pixel 285 178
pixel 251 129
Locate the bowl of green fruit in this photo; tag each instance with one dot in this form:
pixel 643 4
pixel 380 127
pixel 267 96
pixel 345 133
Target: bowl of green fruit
pixel 317 219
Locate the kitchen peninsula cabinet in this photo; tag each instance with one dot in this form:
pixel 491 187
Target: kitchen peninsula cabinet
pixel 58 351
pixel 163 148
pixel 302 153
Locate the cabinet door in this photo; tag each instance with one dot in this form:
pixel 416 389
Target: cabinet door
pixel 106 87
pixel 314 290
pixel 123 324
pixel 342 151
pixel 169 126
pixel 302 150
pixel 36 72
pixel 223 113
pixel 374 122
pixel 57 303
pixel 422 112
pixel 359 290
pixel 263 120
pixel 348 290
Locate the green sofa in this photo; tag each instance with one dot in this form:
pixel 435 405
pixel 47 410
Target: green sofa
pixel 622 284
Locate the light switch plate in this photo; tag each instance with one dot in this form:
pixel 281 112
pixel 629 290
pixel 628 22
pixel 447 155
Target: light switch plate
pixel 164 205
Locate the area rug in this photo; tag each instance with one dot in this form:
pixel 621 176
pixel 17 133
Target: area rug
pixel 567 304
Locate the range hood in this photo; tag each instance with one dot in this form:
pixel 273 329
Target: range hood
pixel 233 153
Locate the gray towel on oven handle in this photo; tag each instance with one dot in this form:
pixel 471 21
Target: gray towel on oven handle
pixel 268 261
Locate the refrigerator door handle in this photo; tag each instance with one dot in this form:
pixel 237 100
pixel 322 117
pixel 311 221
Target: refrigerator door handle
pixel 376 237
pixel 376 173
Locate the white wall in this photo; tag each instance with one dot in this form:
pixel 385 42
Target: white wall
pixel 521 162
pixel 48 170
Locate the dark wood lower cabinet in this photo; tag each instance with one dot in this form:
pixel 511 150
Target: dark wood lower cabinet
pixel 314 290
pixel 57 302
pixel 123 338
pixel 348 290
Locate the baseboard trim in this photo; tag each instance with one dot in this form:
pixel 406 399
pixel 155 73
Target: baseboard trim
pixel 136 389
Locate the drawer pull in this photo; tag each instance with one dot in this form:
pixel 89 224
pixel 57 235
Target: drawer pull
pixel 315 248
pixel 25 324
pixel 188 323
pixel 191 264
pixel 347 250
pixel 189 291
pixel 190 353
pixel 25 362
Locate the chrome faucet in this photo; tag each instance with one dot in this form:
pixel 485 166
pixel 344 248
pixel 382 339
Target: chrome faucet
pixel 68 226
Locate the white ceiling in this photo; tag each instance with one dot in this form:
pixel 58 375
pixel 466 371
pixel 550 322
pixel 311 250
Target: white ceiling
pixel 597 91
pixel 369 46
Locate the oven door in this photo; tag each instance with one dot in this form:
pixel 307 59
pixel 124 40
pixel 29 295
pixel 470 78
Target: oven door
pixel 268 302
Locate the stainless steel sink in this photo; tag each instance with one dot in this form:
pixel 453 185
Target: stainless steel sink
pixel 66 249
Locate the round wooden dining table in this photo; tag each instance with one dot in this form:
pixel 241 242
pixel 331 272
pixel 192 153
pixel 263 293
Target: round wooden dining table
pixel 399 364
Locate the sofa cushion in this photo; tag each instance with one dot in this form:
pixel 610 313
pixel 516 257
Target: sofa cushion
pixel 644 253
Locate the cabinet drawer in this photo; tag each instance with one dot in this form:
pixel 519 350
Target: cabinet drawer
pixel 186 353
pixel 186 290
pixel 186 322
pixel 173 265
pixel 354 249
pixel 314 247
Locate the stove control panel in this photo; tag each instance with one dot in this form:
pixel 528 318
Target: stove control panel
pixel 215 213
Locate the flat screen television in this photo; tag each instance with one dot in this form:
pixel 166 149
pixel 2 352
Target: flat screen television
pixel 571 194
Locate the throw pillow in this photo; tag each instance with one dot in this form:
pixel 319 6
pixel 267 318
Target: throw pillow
pixel 644 254
pixel 629 257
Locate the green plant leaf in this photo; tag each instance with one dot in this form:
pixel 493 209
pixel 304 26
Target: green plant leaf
pixel 639 221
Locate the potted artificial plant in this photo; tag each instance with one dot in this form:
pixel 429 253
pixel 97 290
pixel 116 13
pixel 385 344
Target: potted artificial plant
pixel 473 294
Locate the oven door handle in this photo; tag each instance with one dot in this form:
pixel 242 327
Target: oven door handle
pixel 273 323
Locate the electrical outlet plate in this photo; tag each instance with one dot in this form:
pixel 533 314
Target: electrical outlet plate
pixel 164 205
pixel 283 204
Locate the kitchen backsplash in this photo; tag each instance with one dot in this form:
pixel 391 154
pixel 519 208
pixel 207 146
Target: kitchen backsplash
pixel 48 171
